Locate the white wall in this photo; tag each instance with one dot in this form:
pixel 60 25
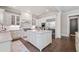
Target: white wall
pixel 65 22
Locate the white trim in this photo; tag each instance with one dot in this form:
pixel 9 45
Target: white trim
pixel 76 11
pixel 58 26
pixel 73 17
pixel 64 35
pixel 68 25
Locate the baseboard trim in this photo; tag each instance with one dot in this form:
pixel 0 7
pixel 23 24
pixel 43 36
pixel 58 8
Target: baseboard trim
pixel 65 35
pixel 57 38
pixel 16 39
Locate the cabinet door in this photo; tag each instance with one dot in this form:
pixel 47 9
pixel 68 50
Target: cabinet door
pixel 6 20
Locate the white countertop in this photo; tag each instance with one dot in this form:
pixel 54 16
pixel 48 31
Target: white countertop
pixel 5 36
pixel 40 31
pixel 13 27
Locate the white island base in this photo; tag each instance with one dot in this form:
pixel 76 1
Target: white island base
pixel 39 39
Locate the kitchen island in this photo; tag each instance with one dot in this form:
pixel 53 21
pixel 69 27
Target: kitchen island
pixel 39 38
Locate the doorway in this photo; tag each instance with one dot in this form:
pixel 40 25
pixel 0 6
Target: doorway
pixel 73 26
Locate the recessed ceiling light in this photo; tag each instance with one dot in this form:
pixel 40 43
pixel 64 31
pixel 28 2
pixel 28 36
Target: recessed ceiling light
pixel 27 14
pixel 47 10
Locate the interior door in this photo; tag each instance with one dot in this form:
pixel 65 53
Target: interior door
pixel 73 25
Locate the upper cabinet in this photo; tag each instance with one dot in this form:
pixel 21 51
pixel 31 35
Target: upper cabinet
pixel 1 16
pixel 11 18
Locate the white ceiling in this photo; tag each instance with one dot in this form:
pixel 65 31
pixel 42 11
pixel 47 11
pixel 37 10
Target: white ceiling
pixel 38 11
pixel 67 8
pixel 42 9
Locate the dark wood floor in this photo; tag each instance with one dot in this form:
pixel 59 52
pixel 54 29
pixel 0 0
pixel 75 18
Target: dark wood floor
pixel 58 45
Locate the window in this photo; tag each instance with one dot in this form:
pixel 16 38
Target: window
pixel 13 20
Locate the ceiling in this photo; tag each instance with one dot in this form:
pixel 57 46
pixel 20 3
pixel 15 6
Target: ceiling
pixel 67 8
pixel 36 10
pixel 39 11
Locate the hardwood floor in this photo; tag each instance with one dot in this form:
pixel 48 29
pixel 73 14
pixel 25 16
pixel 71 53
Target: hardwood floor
pixel 58 45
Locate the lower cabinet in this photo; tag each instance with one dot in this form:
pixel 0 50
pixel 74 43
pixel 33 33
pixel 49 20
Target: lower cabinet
pixel 5 46
pixel 18 34
pixel 15 34
pixel 5 41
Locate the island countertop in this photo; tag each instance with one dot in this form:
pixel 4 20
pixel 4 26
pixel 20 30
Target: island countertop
pixel 40 31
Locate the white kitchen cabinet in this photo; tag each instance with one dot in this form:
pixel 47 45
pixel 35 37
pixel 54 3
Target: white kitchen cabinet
pixel 15 34
pixel 7 18
pixel 11 18
pixel 5 46
pixel 18 33
pixel 1 15
pixel 5 41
